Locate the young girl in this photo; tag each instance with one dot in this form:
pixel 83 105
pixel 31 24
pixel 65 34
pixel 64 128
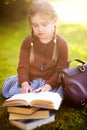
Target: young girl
pixel 43 54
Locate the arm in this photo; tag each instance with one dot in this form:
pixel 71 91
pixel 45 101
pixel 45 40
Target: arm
pixel 23 67
pixel 61 63
pixel 52 82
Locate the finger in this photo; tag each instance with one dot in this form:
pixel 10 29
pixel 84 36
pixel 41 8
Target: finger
pixel 24 91
pixel 37 90
pixel 43 90
pixel 30 90
pixel 21 91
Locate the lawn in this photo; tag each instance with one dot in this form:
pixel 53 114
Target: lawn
pixel 67 118
pixel 11 36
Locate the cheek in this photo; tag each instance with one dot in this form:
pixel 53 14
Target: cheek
pixel 51 28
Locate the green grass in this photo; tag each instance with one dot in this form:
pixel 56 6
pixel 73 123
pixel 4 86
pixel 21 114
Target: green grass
pixel 11 36
pixel 76 36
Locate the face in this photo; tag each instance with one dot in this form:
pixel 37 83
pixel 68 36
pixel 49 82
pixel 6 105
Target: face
pixel 42 27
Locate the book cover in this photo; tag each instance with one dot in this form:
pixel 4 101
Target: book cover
pixel 22 109
pixel 32 124
pixel 48 100
pixel 38 114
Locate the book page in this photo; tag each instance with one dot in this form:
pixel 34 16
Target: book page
pixel 51 97
pixel 28 97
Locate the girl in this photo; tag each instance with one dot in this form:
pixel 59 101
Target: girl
pixel 43 54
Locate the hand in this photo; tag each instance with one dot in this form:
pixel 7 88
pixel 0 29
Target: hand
pixel 25 88
pixel 44 88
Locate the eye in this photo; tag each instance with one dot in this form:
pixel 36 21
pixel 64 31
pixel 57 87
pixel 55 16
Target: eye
pixel 35 25
pixel 45 23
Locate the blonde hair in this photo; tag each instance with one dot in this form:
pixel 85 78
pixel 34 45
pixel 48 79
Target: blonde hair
pixel 46 10
pixel 42 7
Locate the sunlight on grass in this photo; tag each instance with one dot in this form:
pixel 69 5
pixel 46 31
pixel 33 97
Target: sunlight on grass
pixel 13 34
pixel 76 36
pixel 10 44
pixel 78 52
pixel 11 38
pixel 73 27
pixel 71 11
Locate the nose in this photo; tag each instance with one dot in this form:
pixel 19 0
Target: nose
pixel 40 28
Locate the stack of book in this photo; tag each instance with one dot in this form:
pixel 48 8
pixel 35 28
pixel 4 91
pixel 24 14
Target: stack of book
pixel 30 110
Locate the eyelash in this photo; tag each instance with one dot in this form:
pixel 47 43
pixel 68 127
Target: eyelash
pixel 42 25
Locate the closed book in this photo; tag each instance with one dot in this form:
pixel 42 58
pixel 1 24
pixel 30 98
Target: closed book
pixel 36 115
pixel 48 100
pixel 21 109
pixel 32 124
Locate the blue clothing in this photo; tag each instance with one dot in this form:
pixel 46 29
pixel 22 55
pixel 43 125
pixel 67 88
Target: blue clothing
pixel 11 86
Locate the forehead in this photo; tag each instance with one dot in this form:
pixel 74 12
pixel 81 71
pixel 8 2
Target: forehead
pixel 39 18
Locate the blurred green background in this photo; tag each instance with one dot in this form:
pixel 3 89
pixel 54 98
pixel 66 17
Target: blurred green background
pixel 72 24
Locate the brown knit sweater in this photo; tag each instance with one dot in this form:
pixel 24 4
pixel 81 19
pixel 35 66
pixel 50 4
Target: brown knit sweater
pixel 28 72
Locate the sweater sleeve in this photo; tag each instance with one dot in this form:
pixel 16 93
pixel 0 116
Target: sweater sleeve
pixel 23 65
pixel 61 63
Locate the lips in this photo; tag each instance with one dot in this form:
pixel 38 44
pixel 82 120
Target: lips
pixel 40 33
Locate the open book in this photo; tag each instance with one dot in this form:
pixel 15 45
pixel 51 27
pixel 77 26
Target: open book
pixel 48 100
